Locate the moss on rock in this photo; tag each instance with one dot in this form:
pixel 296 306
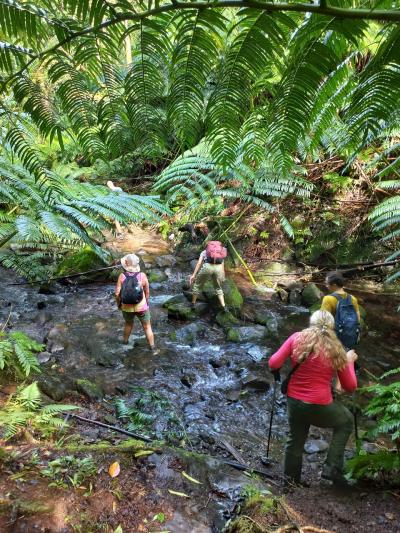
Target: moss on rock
pixel 226 319
pixel 232 335
pixel 157 276
pixel 89 389
pixel 82 261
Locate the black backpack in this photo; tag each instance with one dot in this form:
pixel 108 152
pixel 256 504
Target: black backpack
pixel 131 290
pixel 347 325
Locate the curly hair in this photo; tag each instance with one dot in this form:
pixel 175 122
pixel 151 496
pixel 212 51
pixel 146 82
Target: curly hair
pixel 320 338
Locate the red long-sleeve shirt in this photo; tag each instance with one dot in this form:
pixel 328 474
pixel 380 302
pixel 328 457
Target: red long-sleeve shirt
pixel 312 380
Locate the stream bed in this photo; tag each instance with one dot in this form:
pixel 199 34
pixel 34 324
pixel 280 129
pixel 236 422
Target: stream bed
pixel 214 391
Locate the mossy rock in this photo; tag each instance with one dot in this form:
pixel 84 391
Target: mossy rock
pixel 233 298
pixel 82 261
pixel 311 295
pixel 226 319
pixel 157 276
pixel 232 335
pixel 89 389
pixel 53 387
pixel 182 311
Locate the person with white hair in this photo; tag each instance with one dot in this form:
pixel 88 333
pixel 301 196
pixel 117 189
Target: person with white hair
pixel 316 356
pixel 132 294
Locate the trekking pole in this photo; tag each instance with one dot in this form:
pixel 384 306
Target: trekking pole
pixel 277 379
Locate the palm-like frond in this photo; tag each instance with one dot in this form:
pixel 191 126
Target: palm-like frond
pixel 195 55
pixel 257 40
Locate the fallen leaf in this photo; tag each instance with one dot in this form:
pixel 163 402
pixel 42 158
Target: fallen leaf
pixel 191 478
pixel 114 469
pixel 118 530
pixel 142 453
pixel 181 494
pixel 114 507
pixel 389 516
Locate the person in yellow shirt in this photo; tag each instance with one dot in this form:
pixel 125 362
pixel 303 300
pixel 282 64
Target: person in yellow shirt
pixel 334 282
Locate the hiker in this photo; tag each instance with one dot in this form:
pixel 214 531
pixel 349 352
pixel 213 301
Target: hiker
pixel 344 308
pixel 118 227
pixel 210 266
pixel 316 355
pixel 132 294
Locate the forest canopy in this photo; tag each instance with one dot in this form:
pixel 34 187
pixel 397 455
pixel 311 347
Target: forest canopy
pixel 227 98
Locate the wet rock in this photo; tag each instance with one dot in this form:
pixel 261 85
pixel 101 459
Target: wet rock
pixel 55 299
pixel 181 311
pixel 188 379
pixel 226 319
pixel 43 317
pixel 311 294
pixel 41 305
pixel 257 382
pixel 233 395
pixel 188 334
pixel 295 297
pixel 206 437
pixel 157 276
pixel 89 389
pixel 316 446
pixel 313 458
pixel 53 387
pixel 233 298
pixel 268 319
pixel 57 338
pixel 257 353
pixel 107 360
pixel 283 295
pixel 251 333
pixel 44 357
pixel 193 263
pixel 232 335
pixel 165 261
pixel 47 288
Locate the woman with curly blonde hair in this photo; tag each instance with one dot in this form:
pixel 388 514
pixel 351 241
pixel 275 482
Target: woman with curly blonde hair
pixel 316 356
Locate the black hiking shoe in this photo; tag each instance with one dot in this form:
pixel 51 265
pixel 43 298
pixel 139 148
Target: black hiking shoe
pixel 192 306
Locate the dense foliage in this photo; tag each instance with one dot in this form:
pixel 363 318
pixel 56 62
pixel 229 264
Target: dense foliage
pixel 384 409
pixel 263 88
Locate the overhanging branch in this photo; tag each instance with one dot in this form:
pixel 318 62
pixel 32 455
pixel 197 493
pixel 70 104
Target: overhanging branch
pixel 323 8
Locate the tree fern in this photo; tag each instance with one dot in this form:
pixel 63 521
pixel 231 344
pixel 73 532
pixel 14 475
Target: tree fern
pixel 24 412
pixel 17 354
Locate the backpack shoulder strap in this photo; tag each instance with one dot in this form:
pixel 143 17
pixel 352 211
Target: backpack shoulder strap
pixel 335 295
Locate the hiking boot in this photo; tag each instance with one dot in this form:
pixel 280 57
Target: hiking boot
pixel 154 350
pixel 192 306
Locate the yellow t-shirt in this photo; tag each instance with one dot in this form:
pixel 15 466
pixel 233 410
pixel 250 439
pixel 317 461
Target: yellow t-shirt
pixel 329 303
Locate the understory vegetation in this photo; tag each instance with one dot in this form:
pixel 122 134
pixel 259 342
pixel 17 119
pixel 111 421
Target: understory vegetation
pixel 274 127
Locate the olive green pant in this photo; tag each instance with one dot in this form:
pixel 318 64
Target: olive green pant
pixel 208 271
pixel 301 416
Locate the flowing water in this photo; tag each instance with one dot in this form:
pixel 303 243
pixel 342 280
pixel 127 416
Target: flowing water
pixel 217 391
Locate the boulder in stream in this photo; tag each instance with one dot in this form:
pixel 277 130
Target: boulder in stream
pixel 157 276
pixel 233 298
pixel 179 307
pixel 311 295
pixel 189 333
pixel 246 334
pixel 57 338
